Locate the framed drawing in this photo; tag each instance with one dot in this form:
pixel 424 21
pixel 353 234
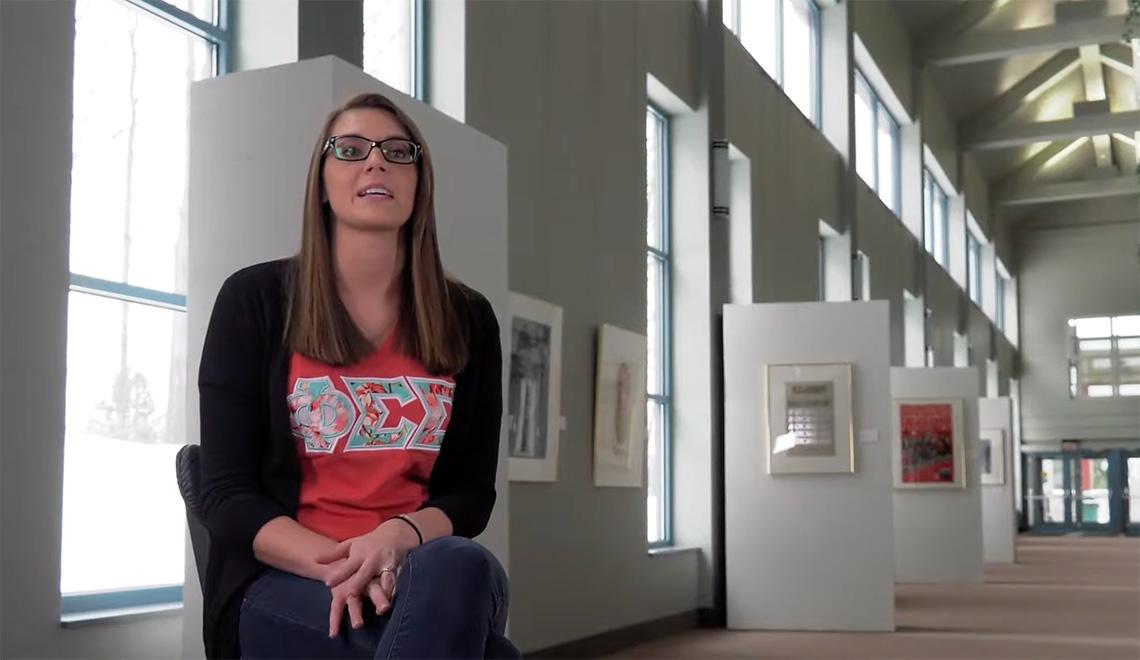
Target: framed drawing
pixel 809 428
pixel 929 447
pixel 619 408
pixel 991 456
pixel 534 390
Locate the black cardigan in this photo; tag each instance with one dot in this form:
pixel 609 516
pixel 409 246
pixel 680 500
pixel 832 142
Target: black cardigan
pixel 250 469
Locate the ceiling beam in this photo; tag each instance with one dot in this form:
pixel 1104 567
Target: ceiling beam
pixel 1071 191
pixel 1117 56
pixel 998 45
pixel 1092 71
pixel 1035 83
pixel 1044 131
pixel 960 19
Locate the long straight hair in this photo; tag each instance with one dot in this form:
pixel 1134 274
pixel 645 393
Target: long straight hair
pixel 318 325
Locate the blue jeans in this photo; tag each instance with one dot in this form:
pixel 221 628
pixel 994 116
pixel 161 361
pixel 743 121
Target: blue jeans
pixel 451 602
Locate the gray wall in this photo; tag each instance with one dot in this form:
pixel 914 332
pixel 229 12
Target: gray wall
pixel 37 40
pixel 563 85
pixel 1067 273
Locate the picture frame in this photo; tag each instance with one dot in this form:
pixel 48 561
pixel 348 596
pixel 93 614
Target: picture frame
pixel 534 390
pixel 808 427
pixel 929 444
pixel 991 457
pixel 620 432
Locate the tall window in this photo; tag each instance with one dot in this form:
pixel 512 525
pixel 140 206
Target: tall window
pixel 936 228
pixel 393 43
pixel 1001 282
pixel 822 249
pixel 974 267
pixel 1104 356
pixel 783 37
pixel 122 535
pixel 658 313
pixel 876 144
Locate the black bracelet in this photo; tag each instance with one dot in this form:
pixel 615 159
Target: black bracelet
pixel 414 526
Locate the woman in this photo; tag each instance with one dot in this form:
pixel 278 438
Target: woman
pixel 350 410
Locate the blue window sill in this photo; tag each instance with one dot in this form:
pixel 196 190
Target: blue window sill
pixel 119 615
pixel 112 606
pixel 665 551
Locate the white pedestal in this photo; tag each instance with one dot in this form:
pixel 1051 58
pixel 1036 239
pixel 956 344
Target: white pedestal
pixel 808 551
pixel 252 134
pixel 999 511
pixel 938 532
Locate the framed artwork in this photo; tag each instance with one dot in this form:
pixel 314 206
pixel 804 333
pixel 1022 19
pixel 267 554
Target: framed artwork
pixel 620 398
pixel 809 429
pixel 534 390
pixel 991 457
pixel 930 448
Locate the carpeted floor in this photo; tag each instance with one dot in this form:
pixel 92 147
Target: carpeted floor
pixel 1067 597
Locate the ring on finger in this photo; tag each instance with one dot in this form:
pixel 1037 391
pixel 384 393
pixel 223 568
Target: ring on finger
pixel 388 569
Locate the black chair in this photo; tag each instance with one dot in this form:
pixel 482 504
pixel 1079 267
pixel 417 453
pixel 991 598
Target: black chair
pixel 190 484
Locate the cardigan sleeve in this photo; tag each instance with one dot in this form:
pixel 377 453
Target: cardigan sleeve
pixel 462 482
pixel 234 418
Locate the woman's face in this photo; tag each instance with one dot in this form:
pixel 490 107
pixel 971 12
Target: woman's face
pixel 372 193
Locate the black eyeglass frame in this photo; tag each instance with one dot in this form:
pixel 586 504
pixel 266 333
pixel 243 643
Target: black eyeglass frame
pixel 330 144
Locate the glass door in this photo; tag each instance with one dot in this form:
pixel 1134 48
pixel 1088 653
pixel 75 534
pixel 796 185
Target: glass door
pixel 1048 504
pixel 1085 491
pixel 1090 491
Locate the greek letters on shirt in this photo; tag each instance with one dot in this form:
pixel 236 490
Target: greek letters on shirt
pixel 382 414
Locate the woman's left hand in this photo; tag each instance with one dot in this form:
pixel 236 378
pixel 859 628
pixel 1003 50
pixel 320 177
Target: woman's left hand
pixel 363 560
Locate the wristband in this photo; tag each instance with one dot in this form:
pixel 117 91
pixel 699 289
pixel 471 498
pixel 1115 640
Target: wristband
pixel 414 526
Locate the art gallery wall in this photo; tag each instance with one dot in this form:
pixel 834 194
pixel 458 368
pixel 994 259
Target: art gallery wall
pixel 810 551
pixel 999 515
pixel 938 532
pixel 566 92
pixel 577 241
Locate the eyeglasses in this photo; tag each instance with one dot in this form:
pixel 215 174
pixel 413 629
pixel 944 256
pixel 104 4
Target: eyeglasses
pixel 354 148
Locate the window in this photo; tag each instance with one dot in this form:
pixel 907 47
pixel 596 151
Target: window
pixel 1104 356
pixel 658 314
pixel 126 362
pixel 783 37
pixel 876 144
pixel 974 267
pixel 1001 280
pixel 822 249
pixel 393 43
pixel 936 230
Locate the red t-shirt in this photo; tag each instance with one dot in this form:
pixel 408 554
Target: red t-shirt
pixel 368 436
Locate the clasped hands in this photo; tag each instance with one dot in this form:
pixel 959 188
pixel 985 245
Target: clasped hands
pixel 365 565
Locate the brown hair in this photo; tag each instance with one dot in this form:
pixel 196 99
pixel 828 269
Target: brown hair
pixel 319 326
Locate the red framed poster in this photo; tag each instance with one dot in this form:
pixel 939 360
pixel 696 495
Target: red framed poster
pixel 928 444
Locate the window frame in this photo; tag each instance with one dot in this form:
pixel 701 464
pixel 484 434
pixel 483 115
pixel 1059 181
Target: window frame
pixel 935 197
pixel 1000 284
pixel 879 111
pixel 974 268
pixel 1076 390
pixel 417 57
pixel 83 606
pixel 663 256
pixel 734 25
